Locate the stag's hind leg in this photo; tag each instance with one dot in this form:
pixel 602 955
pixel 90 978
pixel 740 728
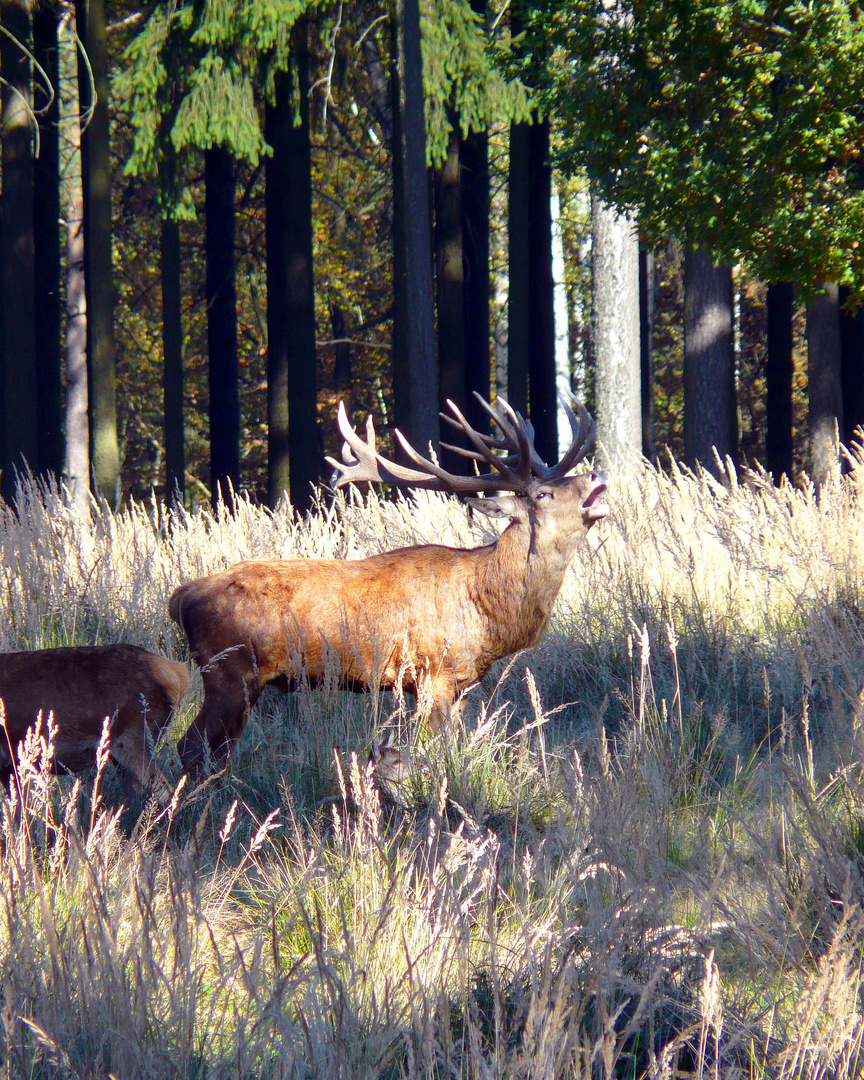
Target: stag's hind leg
pixel 229 694
pixel 133 731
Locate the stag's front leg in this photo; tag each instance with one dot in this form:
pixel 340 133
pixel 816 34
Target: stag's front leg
pixel 446 711
pixel 230 691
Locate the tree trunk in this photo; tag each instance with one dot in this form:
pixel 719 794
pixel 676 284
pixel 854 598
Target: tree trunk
pixel 277 118
pixel 475 255
pixel 778 379
pixel 222 328
pixel 518 234
pixel 646 349
pixel 852 352
pixel 710 407
pixel 292 365
pixel 18 418
pixel 450 290
pixel 172 371
pixel 49 373
pixel 617 356
pixel 563 362
pixel 542 398
pixel 96 166
pixel 77 464
pixel 304 450
pixel 824 383
pixel 342 352
pixel 414 376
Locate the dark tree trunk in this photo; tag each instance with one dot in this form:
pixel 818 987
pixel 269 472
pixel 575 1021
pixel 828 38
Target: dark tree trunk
pixel 304 449
pixel 342 351
pixel 824 383
pixel 852 352
pixel 646 350
pixel 222 328
pixel 450 282
pixel 18 418
pixel 542 399
pixel 475 252
pixel 518 232
pixel 49 377
pixel 96 173
pixel 292 362
pixel 710 406
pixel 172 372
pixel 778 380
pixel 277 118
pixel 415 380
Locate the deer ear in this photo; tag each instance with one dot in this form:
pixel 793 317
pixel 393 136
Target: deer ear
pixel 504 506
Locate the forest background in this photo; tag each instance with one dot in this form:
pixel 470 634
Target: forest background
pixel 645 854
pixel 218 219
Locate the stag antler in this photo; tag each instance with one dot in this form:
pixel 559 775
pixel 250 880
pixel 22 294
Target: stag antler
pixel 512 472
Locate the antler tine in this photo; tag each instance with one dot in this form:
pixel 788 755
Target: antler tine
pixel 363 462
pixel 516 479
pixel 492 443
pixel 508 478
pixel 584 433
pixel 516 438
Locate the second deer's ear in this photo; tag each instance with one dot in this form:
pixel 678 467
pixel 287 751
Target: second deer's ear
pixel 503 506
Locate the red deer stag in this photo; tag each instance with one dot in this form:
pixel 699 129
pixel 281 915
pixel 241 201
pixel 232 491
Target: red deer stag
pixel 81 685
pixel 431 618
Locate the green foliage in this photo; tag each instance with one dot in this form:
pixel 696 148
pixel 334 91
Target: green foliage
pixel 462 76
pixel 194 77
pixel 188 80
pixel 737 124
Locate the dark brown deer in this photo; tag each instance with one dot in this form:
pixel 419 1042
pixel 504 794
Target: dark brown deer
pixel 82 685
pixel 430 618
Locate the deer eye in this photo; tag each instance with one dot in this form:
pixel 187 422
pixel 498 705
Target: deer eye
pixel 545 495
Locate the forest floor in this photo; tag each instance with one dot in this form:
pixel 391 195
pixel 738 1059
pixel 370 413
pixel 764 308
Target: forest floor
pixel 643 857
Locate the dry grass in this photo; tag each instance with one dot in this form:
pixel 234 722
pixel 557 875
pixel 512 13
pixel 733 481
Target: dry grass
pixel 644 858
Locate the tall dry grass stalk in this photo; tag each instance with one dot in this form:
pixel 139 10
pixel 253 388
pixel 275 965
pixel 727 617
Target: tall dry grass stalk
pixel 645 857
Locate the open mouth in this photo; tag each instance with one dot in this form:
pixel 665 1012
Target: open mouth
pixel 594 508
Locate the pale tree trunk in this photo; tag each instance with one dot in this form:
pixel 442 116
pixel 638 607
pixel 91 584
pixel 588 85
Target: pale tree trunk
pixel 18 420
pixel 824 383
pixel 618 395
pixel 562 323
pixel 415 395
pixel 77 462
pixel 710 406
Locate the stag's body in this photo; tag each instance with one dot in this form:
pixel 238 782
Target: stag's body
pixel 81 685
pixel 430 618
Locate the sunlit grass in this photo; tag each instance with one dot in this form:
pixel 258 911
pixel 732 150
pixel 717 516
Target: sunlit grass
pixel 644 855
